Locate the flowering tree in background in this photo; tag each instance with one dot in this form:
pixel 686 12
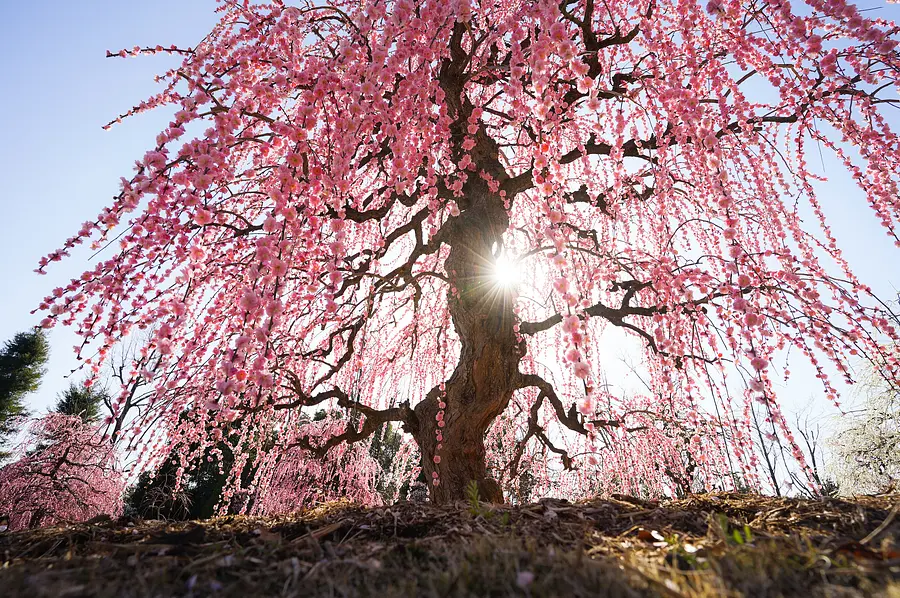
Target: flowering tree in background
pixel 361 181
pixel 866 450
pixel 296 478
pixel 66 472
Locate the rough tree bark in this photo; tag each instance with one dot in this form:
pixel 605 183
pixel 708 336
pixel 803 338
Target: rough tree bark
pixel 487 373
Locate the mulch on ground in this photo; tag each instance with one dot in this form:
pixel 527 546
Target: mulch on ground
pixel 705 545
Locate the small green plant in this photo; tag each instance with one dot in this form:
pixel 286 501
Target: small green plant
pixel 682 555
pixel 733 534
pixel 742 538
pixel 477 509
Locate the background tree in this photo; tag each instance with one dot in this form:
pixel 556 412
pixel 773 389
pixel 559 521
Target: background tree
pixel 299 480
pixel 86 402
pixel 65 472
pixel 22 361
pixel 393 479
pixel 173 491
pixel 866 447
pixel 369 176
pixel 157 495
pixel 825 485
pixel 170 493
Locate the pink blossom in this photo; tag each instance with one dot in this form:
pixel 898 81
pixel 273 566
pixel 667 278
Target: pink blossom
pixel 715 7
pixel 581 369
pixel 524 579
pixel 571 322
pixel 558 32
pixel 197 253
pixel 759 363
pixel 751 320
pixel 561 284
pixel 278 267
pixel 203 217
pixel 586 406
pixel 249 300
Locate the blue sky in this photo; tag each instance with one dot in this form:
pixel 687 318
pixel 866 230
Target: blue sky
pixel 59 168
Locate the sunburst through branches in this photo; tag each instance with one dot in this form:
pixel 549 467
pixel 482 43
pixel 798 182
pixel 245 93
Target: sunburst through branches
pixel 506 272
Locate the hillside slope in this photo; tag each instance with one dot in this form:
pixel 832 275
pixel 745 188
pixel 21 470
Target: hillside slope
pixel 706 545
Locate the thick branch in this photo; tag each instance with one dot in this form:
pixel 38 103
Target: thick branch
pixel 374 418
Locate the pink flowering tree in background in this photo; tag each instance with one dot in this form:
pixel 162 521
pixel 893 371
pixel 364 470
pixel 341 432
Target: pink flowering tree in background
pixel 298 481
pixel 436 213
pixel 66 471
pixel 298 478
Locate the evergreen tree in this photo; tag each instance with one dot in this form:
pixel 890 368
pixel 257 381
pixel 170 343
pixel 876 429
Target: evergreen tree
pixel 83 401
pixel 22 361
pixel 154 495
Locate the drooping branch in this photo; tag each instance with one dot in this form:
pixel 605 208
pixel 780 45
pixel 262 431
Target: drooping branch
pixel 373 418
pixel 570 419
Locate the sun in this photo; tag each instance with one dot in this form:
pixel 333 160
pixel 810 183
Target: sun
pixel 506 271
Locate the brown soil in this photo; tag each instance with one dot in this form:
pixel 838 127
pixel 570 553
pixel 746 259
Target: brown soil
pixel 706 545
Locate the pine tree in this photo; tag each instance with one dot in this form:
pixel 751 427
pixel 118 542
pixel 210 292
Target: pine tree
pixel 83 401
pixel 22 362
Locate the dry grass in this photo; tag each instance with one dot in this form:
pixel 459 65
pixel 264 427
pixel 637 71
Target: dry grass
pixel 709 545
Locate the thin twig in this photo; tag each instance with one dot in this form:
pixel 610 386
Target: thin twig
pixel 883 525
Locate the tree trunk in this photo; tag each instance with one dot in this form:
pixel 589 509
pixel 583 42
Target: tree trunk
pixel 487 372
pixel 36 518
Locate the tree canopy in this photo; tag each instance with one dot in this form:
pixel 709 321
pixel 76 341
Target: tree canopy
pixel 436 213
pixel 866 448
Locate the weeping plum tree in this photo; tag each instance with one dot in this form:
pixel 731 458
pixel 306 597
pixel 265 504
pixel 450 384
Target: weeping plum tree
pixel 65 472
pixel 333 217
pixel 296 480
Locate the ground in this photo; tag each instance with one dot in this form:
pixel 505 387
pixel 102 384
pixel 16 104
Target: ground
pixel 706 545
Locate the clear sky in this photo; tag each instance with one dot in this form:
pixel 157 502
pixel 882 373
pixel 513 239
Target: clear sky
pixel 59 168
